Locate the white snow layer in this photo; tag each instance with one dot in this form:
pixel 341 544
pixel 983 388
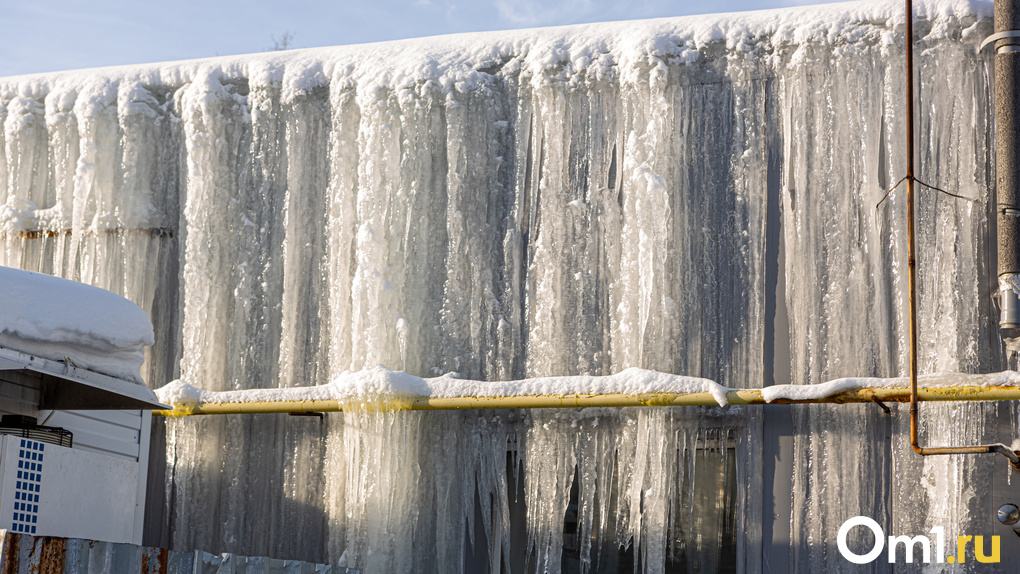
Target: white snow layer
pixel 59 319
pixel 812 392
pixel 380 383
pixel 464 62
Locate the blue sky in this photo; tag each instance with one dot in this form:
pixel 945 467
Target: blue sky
pixel 52 35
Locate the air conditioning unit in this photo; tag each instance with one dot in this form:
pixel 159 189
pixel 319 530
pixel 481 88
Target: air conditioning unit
pixel 51 490
pixel 72 472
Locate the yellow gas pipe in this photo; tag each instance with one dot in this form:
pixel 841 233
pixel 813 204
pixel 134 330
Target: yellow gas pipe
pixel 733 397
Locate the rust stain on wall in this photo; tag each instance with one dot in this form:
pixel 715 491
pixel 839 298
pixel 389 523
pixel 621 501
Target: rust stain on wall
pixel 11 560
pixel 51 552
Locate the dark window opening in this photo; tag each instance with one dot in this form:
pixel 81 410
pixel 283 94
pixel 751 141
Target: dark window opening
pixel 702 537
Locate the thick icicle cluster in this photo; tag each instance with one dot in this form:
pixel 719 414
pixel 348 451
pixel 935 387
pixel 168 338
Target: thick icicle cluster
pixel 546 203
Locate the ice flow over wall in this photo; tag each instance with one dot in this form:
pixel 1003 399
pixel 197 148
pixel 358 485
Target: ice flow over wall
pixel 668 194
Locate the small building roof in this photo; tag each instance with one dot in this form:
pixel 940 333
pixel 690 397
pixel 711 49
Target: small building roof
pixel 64 320
pixel 66 345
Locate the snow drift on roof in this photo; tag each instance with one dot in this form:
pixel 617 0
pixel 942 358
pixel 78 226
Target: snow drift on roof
pixel 59 319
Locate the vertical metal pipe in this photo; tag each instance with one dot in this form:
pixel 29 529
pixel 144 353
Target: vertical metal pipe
pixel 911 261
pixel 1007 163
pixel 1013 15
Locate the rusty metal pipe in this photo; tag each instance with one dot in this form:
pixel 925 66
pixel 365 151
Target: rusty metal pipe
pixel 1013 457
pixel 911 261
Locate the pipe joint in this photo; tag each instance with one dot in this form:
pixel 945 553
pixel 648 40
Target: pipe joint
pixel 1009 304
pixel 1012 455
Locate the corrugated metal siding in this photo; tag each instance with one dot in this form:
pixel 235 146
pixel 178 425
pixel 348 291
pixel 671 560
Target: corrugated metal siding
pixel 113 433
pixel 24 554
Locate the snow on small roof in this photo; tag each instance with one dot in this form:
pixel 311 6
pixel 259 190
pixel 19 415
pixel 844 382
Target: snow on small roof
pixel 463 61
pixel 58 319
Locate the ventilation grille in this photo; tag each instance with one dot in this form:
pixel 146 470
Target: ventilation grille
pixel 26 427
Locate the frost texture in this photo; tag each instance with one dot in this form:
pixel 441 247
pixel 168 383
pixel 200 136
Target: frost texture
pixel 544 203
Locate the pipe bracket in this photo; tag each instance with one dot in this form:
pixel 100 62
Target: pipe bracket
pixel 885 408
pixel 999 36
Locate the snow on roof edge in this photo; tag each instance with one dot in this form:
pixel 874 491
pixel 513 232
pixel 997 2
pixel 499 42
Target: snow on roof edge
pixel 451 58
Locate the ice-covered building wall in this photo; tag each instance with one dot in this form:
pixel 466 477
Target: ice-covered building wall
pixel 691 195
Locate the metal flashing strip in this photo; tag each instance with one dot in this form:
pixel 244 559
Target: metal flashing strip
pixel 66 386
pixel 9 365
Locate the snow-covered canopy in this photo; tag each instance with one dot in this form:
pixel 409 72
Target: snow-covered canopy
pixel 58 319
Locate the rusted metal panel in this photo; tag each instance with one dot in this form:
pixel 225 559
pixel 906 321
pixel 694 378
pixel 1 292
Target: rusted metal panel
pixel 10 560
pixel 25 554
pixel 51 552
pixel 155 560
